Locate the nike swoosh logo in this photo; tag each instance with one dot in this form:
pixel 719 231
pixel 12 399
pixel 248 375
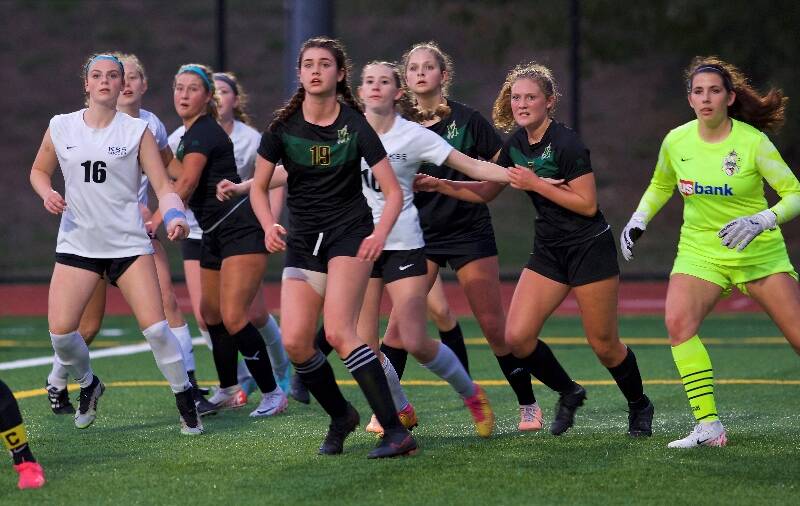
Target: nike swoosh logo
pixel 701 441
pixel 685 159
pixel 254 357
pixel 70 147
pixel 404 267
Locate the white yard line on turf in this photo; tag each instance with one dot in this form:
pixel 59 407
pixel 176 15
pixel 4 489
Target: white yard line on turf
pixel 108 352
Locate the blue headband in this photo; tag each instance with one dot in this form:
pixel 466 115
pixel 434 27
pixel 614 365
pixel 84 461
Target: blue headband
pixel 714 69
pixel 196 70
pixel 110 57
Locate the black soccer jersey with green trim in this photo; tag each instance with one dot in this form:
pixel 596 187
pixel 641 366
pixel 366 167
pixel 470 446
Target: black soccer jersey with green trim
pixel 445 219
pixel 559 155
pixel 324 167
pixel 206 137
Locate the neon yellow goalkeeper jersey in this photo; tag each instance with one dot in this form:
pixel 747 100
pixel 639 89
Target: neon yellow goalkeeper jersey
pixel 720 182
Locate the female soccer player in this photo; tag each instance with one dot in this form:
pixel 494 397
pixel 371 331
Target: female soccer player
pixel 233 118
pixel 102 153
pixel 15 439
pixel 729 236
pixel 321 136
pixel 402 267
pixel 130 102
pixel 460 233
pixel 233 257
pixel 573 249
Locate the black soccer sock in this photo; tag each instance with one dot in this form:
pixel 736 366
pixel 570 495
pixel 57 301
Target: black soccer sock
pixel 317 376
pixel 454 340
pixel 321 342
pixel 629 381
pixel 545 367
pixel 365 367
pixel 397 356
pixel 192 378
pixel 12 430
pixel 518 377
pixel 225 355
pixel 256 357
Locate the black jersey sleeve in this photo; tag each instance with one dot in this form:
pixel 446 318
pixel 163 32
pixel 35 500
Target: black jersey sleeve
pixel 575 161
pixel 504 159
pixel 198 139
pixel 369 144
pixel 487 141
pixel 271 148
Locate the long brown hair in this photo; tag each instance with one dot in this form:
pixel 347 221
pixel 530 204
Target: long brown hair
pixel 764 112
pixel 501 112
pixel 343 91
pixel 445 65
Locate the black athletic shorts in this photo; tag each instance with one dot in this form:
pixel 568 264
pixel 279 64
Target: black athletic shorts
pixel 191 249
pixel 239 233
pixel 459 254
pixel 110 268
pixel 579 264
pixel 313 251
pixel 399 264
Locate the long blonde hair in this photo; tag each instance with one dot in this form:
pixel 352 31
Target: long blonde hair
pixel 501 112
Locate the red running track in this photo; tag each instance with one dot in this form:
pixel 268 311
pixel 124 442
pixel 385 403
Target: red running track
pixel 634 298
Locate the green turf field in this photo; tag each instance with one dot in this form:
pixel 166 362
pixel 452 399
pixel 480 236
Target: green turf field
pixel 134 453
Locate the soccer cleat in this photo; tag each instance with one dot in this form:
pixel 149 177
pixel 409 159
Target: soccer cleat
pixel 248 385
pixel 338 430
pixel 31 475
pixel 203 406
pixel 407 416
pixel 59 400
pixel 395 443
pixel 272 403
pixel 374 426
pixel 530 417
pixel 640 421
pixel 704 434
pixel 191 425
pixel 566 406
pixel 87 403
pixel 481 411
pixel 298 391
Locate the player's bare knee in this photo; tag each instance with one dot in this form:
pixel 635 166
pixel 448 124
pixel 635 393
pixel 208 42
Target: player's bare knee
pixel 680 328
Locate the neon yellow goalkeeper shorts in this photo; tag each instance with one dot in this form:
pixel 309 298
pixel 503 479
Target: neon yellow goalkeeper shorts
pixel 729 276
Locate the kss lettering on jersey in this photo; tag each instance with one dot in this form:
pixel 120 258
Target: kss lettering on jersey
pixel 101 181
pixel 718 183
pixel 324 168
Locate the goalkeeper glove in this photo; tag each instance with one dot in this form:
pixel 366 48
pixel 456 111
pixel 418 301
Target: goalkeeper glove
pixel 631 233
pixel 741 231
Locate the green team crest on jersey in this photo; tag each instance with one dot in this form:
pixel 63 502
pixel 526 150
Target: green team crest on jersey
pixel 543 165
pixel 730 165
pixel 452 131
pixel 344 135
pixel 179 152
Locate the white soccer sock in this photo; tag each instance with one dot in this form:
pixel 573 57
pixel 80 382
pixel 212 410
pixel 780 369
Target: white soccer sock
pixel 74 356
pixel 207 338
pixel 398 394
pixel 167 352
pixel 277 354
pixel 447 366
pixel 185 340
pixel 59 375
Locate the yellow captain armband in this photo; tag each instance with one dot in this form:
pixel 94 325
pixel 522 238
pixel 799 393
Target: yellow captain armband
pixel 14 437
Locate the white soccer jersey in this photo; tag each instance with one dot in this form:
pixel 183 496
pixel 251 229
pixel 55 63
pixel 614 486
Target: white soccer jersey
pixel 159 131
pixel 407 145
pixel 195 232
pixel 101 179
pixel 245 146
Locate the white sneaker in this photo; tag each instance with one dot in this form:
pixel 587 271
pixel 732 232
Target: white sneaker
pixel 272 403
pixel 228 398
pixel 704 434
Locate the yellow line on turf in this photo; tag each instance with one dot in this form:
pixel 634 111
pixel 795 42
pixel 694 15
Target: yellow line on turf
pixel 24 394
pixel 650 341
pixel 37 343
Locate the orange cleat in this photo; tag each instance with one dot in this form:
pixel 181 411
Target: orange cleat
pixel 481 412
pixel 407 416
pixel 530 417
pixel 31 475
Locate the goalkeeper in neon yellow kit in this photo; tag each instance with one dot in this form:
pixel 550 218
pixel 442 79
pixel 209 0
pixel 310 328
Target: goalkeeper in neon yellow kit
pixel 729 236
